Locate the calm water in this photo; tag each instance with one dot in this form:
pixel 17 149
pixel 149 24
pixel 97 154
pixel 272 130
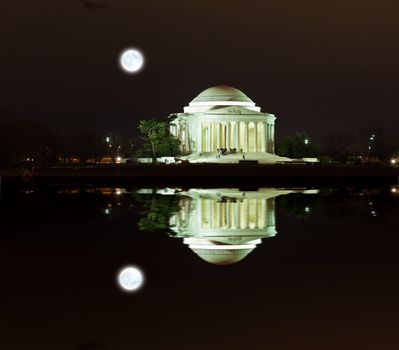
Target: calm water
pixel 263 268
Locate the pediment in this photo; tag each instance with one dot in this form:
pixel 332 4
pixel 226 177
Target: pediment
pixel 233 110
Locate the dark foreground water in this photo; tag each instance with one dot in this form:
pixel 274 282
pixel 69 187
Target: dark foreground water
pixel 223 268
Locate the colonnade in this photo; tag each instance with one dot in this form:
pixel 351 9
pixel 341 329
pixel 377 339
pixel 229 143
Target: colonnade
pixel 209 213
pixel 241 136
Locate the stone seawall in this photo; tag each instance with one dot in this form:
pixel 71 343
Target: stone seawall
pixel 207 174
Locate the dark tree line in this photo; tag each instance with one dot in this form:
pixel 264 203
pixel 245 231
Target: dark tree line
pixel 31 143
pixel 23 142
pixel 369 144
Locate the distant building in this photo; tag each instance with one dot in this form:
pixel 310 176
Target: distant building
pixel 222 124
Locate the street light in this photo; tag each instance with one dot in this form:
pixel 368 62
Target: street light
pixel 372 139
pixel 306 141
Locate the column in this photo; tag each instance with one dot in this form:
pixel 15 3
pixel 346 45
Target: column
pixel 208 147
pixel 245 137
pixel 183 138
pixel 268 138
pixel 256 136
pixel 218 135
pixel 228 135
pixel 224 128
pixel 236 136
pixel 264 136
pixel 199 138
pixel 272 133
pixel 211 131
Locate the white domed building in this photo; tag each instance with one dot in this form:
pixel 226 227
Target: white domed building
pixel 224 125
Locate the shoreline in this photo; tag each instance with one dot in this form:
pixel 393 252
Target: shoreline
pixel 207 174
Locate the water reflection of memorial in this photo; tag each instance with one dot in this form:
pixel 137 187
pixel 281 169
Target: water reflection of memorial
pixel 222 226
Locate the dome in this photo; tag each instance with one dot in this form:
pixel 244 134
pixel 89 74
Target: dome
pixel 221 93
pixel 219 253
pixel 225 256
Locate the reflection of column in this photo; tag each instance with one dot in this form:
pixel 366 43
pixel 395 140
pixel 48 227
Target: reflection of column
pixel 270 212
pixel 252 213
pixel 262 213
pixel 256 211
pixel 217 215
pixel 209 211
pixel 237 214
pixel 214 218
pixel 223 214
pixel 242 214
pixel 228 217
pixel 233 215
pixel 248 213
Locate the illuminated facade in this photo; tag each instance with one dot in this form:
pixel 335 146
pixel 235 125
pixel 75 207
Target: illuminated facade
pixel 222 226
pixel 223 120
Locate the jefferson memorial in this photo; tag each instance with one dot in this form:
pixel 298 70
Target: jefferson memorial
pixel 224 125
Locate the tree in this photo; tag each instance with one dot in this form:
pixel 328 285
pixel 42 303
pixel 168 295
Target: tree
pixel 338 145
pixel 85 144
pixel 157 211
pixel 22 140
pixel 298 146
pixel 158 141
pixel 375 143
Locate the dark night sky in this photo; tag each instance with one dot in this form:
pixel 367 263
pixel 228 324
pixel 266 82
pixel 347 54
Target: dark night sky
pixel 317 65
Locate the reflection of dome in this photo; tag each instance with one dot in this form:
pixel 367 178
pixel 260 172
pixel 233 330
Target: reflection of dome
pixel 218 253
pixel 222 226
pixel 221 93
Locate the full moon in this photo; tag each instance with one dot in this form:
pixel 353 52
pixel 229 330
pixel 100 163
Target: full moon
pixel 130 278
pixel 131 60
